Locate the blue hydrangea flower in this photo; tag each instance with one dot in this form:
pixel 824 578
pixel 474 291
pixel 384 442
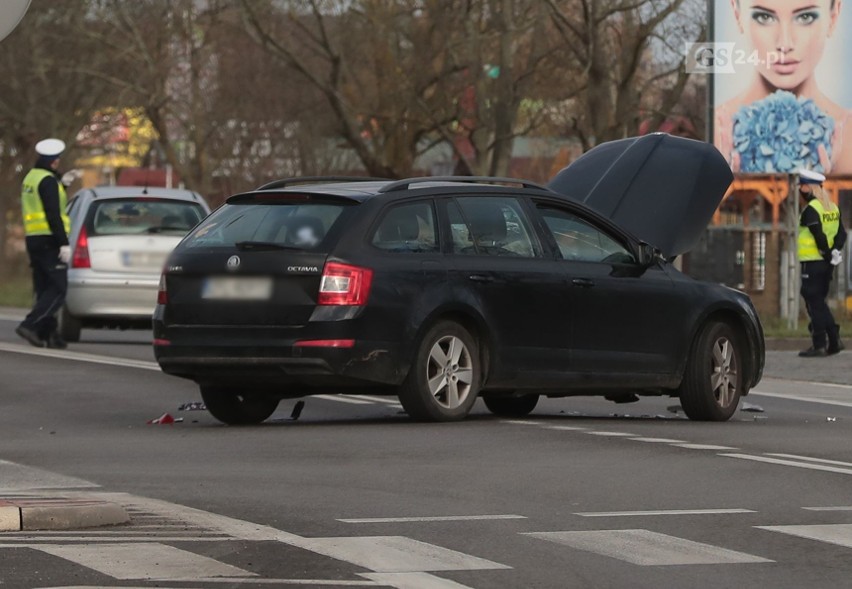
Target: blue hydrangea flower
pixel 781 133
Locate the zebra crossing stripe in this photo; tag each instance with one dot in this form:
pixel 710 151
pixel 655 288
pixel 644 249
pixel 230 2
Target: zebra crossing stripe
pixel 839 534
pixel 396 554
pixel 647 548
pixel 152 561
pixel 412 581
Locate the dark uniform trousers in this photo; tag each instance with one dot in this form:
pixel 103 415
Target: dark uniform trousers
pixel 816 278
pixel 50 284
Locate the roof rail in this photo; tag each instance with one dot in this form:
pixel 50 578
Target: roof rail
pixel 405 184
pixel 308 179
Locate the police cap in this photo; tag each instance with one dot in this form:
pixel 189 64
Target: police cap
pixel 50 147
pixel 810 177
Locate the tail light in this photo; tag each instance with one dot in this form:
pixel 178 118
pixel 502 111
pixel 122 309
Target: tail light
pixel 81 251
pixel 162 295
pixel 343 284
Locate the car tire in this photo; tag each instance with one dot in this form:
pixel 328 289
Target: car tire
pixel 510 406
pixel 69 326
pixel 234 408
pixel 713 381
pixel 444 378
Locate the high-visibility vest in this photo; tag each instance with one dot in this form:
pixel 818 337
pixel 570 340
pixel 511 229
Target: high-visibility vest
pixel 830 221
pixel 35 220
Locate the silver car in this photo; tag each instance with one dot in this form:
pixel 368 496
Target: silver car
pixel 120 238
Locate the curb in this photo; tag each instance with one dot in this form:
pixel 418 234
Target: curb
pixel 27 514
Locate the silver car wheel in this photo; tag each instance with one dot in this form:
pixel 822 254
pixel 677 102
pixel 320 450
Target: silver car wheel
pixel 449 370
pixel 723 378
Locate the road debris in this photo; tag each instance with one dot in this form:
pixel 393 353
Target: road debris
pixel 831 419
pixel 193 406
pixel 297 410
pixel 752 408
pixel 164 419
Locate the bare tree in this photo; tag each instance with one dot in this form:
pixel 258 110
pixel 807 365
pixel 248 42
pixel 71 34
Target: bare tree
pixel 42 93
pixel 627 56
pixel 163 60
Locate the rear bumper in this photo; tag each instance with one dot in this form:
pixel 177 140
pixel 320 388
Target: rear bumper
pixel 281 364
pixel 131 297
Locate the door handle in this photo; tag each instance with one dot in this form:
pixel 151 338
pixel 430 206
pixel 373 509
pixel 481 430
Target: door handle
pixel 481 278
pixel 583 282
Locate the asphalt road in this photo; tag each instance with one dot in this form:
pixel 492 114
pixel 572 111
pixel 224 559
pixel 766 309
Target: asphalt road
pixel 583 493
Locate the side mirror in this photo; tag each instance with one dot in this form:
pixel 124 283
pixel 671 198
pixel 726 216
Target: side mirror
pixel 647 254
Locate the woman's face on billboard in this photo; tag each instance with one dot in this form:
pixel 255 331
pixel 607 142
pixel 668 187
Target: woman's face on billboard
pixel 788 35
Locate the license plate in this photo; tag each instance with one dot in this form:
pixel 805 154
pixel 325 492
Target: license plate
pixel 143 259
pixel 242 288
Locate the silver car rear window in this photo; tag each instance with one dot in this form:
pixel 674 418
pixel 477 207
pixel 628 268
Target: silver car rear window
pixel 143 215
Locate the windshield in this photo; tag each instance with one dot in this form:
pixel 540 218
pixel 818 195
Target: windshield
pixel 300 226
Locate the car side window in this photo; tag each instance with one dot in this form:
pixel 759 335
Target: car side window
pixel 493 226
pixel 407 228
pixel 579 240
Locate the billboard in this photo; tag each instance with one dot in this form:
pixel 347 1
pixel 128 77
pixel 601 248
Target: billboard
pixel 781 90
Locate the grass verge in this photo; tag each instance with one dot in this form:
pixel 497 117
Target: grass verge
pixel 16 291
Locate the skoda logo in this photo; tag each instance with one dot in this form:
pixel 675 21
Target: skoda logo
pixel 233 263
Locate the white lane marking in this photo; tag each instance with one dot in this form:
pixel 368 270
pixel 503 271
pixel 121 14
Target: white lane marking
pixel 611 434
pixel 837 508
pixel 807 382
pixel 662 512
pixel 441 518
pixel 810 459
pixel 397 554
pixel 704 447
pixel 412 581
pixel 331 582
pixel 372 399
pixel 808 399
pixel 20 540
pixel 144 561
pixel 236 581
pixel 769 460
pixel 839 534
pixel 658 440
pixel 343 399
pixel 79 357
pixel 521 422
pixel 647 548
pixel 17 477
pixel 567 428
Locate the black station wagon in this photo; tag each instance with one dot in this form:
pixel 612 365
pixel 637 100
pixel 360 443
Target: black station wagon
pixel 442 290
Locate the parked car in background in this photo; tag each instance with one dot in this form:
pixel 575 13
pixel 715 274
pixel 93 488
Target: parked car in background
pixel 442 290
pixel 120 238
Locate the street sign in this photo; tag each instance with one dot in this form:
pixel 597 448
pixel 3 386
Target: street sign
pixel 11 13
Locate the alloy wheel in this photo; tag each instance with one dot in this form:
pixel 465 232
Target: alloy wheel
pixel 449 371
pixel 723 378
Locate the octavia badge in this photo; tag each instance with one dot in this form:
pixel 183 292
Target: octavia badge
pixel 233 263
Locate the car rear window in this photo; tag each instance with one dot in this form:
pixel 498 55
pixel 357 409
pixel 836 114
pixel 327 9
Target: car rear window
pixel 129 216
pixel 291 225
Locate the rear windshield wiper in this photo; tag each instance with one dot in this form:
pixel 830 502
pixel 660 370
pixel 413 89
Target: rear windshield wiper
pixel 264 245
pixel 161 228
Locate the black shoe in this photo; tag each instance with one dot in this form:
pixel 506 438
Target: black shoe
pixel 835 349
pixel 813 352
pixel 30 335
pixel 55 342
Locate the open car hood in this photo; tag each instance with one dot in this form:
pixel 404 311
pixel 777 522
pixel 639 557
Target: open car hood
pixel 661 188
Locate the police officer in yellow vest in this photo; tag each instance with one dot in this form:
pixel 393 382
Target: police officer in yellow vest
pixel 46 226
pixel 821 241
